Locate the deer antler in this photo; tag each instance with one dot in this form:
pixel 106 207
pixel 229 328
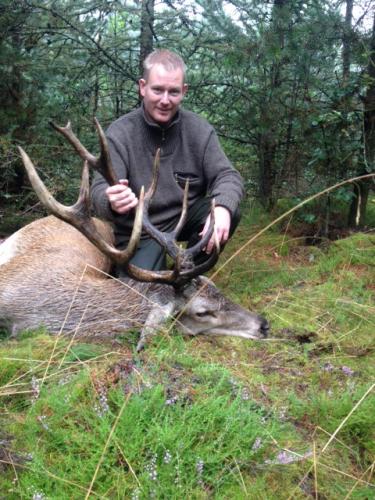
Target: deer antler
pixel 78 215
pixel 101 164
pixel 184 268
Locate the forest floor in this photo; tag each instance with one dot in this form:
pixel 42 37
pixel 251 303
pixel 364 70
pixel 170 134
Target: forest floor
pixel 289 417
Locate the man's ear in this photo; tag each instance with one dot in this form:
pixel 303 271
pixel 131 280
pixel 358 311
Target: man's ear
pixel 185 88
pixel 142 85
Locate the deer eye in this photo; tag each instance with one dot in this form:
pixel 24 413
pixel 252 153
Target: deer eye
pixel 202 314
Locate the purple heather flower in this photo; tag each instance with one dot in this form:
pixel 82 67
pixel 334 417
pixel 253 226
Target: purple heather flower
pixel 42 419
pixel 151 468
pixel 35 387
pixel 245 395
pixel 102 407
pixel 38 496
pixel 257 444
pixel 200 467
pixel 171 401
pixel 348 371
pixel 287 457
pixel 167 457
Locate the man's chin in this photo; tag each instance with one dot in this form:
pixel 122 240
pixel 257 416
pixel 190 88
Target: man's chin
pixel 159 117
pixel 163 117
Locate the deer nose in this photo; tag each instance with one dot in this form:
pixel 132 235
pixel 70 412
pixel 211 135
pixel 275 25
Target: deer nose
pixel 264 327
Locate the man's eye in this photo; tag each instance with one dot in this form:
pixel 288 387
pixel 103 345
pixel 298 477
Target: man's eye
pixel 175 93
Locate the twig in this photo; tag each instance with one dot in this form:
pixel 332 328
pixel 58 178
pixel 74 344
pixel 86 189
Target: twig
pixel 107 444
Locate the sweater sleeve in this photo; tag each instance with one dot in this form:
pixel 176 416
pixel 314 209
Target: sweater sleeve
pixel 225 183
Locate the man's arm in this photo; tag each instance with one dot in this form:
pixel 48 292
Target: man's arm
pixel 222 228
pixel 108 201
pixel 225 186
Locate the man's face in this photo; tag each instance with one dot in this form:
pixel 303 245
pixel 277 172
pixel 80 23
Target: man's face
pixel 162 93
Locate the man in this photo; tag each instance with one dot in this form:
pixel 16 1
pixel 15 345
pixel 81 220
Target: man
pixel 189 150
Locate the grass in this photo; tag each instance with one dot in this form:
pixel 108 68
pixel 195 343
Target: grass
pixel 210 418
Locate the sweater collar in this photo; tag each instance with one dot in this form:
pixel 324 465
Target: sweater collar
pixel 158 137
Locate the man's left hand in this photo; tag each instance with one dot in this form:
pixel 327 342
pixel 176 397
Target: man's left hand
pixel 222 226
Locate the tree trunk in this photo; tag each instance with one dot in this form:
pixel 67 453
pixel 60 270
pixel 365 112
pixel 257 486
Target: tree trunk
pixel 357 212
pixel 267 146
pixel 346 42
pixel 12 103
pixel 147 31
pixel 267 150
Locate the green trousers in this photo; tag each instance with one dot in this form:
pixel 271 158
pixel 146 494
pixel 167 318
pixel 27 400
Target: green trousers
pixel 150 255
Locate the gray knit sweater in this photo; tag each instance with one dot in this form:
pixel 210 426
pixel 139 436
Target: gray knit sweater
pixel 189 149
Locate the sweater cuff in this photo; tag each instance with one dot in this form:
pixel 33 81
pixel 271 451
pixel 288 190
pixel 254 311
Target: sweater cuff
pixel 105 211
pixel 226 202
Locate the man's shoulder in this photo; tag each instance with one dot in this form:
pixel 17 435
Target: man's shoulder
pixel 125 123
pixel 193 119
pixel 195 127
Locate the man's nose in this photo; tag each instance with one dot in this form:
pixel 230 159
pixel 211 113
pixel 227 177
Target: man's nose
pixel 165 97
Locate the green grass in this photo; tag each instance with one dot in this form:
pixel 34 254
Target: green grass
pixel 187 435
pixel 211 418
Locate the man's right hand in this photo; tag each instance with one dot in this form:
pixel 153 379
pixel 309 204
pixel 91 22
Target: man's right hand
pixel 121 197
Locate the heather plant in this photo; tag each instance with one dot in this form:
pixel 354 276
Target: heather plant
pixel 160 445
pixel 289 417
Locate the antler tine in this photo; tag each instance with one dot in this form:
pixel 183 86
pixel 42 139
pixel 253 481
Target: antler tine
pixel 197 248
pixel 178 277
pixel 42 192
pixel 182 220
pixel 150 276
pixel 184 268
pixel 151 191
pixel 155 177
pixel 166 240
pixel 68 133
pixel 103 164
pixel 198 269
pixel 189 270
pixel 78 215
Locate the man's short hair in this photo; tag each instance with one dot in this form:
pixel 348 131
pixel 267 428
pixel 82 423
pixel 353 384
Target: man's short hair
pixel 166 58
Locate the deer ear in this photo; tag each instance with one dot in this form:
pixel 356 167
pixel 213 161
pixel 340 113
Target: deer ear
pixel 193 286
pixel 190 289
pixel 206 281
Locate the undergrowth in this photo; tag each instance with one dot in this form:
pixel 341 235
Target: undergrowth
pixel 291 417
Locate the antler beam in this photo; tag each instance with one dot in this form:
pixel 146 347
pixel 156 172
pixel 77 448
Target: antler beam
pixel 101 164
pixel 184 268
pixel 78 215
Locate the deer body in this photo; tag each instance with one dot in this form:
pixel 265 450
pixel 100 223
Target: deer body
pixel 51 275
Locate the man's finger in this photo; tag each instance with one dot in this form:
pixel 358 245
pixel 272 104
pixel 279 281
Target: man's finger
pixel 123 209
pixel 205 227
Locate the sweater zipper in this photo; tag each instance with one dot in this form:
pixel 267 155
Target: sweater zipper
pixel 162 140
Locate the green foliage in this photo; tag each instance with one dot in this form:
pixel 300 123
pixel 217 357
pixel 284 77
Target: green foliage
pixel 321 406
pixel 83 352
pixel 162 444
pixel 200 417
pixel 267 75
